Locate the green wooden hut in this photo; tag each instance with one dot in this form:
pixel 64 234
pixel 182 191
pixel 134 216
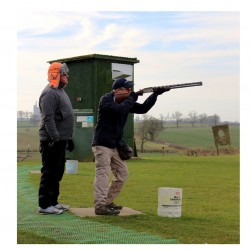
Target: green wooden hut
pixel 91 76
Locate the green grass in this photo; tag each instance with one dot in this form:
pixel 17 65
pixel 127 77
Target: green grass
pixel 32 238
pixel 27 136
pixel 210 210
pixel 197 136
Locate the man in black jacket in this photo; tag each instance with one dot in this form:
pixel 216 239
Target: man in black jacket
pixel 112 116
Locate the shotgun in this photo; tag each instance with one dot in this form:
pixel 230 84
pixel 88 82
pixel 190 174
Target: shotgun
pixel 168 87
pixel 121 97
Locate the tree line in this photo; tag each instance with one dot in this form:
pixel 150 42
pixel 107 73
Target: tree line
pixel 29 117
pixel 192 118
pixel 148 126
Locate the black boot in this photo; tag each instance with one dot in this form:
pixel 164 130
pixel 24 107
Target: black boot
pixel 105 210
pixel 114 206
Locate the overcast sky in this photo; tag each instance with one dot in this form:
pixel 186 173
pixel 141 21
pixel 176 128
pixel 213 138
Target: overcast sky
pixel 173 47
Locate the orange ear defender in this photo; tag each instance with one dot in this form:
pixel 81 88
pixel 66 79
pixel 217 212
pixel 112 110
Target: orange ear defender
pixel 55 70
pixel 54 74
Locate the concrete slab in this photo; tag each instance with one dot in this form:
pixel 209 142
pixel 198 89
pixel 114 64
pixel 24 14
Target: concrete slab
pixel 90 212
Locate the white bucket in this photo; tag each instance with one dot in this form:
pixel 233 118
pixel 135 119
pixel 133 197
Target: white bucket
pixel 169 202
pixel 71 166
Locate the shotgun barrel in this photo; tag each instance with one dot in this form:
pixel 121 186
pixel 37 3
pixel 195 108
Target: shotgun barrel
pixel 174 86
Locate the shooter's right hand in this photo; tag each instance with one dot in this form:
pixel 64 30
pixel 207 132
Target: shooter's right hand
pixel 140 92
pixel 134 95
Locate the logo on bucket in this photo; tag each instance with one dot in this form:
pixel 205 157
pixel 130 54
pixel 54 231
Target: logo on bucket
pixel 169 202
pixel 169 197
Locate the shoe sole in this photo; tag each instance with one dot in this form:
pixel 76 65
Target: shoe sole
pixel 107 213
pixel 64 209
pixel 44 213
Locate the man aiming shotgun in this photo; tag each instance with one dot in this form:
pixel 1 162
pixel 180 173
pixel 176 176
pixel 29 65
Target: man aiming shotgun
pixel 122 96
pixel 108 146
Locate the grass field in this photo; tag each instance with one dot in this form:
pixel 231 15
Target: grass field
pixel 211 186
pixel 210 210
pixel 197 137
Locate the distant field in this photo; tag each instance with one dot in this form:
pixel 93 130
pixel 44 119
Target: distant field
pixel 197 137
pixel 27 136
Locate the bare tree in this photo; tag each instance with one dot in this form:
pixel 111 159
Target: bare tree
pixel 20 114
pixel 26 115
pixel 167 117
pixel 162 120
pixel 148 129
pixel 216 119
pixel 202 118
pixel 177 117
pixel 193 117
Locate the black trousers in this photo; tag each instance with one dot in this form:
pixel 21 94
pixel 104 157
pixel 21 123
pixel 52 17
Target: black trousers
pixel 53 164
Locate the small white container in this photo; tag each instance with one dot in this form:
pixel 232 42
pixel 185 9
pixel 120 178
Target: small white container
pixel 169 202
pixel 71 166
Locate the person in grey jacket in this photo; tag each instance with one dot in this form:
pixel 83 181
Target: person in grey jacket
pixel 55 133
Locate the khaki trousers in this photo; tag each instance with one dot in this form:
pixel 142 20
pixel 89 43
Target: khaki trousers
pixel 107 159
